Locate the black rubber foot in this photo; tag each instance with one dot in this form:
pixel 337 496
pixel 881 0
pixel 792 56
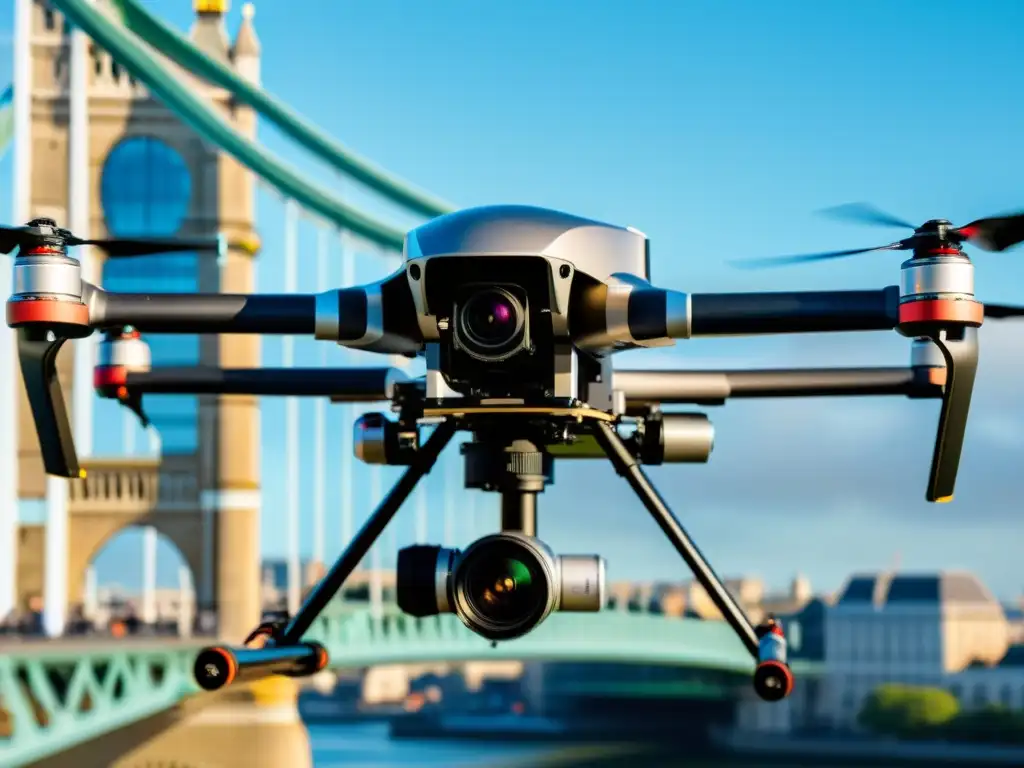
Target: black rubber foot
pixel 773 681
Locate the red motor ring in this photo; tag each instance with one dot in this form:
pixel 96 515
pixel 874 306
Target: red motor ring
pixel 67 319
pixel 109 381
pixel 919 318
pixel 322 658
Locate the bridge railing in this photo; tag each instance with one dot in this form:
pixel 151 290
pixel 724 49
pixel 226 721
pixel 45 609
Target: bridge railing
pixel 133 484
pixel 355 638
pixel 56 695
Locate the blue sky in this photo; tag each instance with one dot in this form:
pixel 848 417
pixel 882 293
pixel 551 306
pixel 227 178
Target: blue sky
pixel 718 129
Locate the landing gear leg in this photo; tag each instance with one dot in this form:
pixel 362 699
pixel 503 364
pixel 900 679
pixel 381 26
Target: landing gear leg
pixel 422 463
pixel 283 651
pixel 773 676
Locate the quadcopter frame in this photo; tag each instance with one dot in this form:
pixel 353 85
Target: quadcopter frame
pixel 613 310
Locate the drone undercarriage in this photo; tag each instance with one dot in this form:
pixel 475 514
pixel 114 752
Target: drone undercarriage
pixel 508 457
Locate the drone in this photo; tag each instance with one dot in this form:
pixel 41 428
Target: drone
pixel 518 312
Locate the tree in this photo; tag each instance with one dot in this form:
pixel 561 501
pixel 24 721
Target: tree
pixel 907 711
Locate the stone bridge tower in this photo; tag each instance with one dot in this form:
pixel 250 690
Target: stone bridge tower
pixel 151 175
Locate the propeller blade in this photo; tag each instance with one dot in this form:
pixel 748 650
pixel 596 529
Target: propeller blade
pixel 1000 311
pixel 778 261
pixel 863 213
pixel 995 234
pixel 128 247
pixel 11 237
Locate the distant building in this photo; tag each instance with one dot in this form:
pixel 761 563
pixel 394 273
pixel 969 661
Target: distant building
pixel 690 599
pixel 1015 619
pixel 356 589
pixel 917 629
pixel 1002 683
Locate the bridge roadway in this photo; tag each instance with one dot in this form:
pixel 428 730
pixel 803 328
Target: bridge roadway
pixel 61 693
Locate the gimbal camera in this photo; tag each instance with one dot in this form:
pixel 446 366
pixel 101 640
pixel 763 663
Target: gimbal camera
pixel 518 312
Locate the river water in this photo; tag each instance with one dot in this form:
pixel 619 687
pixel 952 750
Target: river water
pixel 368 746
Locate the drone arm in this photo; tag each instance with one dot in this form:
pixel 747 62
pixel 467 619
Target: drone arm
pixel 740 314
pixel 714 387
pixel 286 314
pixel 353 385
pixel 59 301
pixel 352 317
pixel 628 311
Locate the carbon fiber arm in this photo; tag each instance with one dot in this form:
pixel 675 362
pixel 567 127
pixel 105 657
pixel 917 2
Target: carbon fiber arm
pixel 342 385
pixel 630 311
pixel 645 388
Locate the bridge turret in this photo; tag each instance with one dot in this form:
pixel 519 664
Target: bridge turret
pixel 208 33
pixel 246 51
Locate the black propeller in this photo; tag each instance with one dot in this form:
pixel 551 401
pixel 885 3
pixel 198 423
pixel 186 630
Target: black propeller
pixel 864 213
pixel 44 232
pixel 992 234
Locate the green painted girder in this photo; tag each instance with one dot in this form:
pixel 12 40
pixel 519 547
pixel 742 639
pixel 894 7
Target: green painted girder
pixel 61 694
pixel 57 697
pixel 176 95
pixel 176 47
pixel 357 639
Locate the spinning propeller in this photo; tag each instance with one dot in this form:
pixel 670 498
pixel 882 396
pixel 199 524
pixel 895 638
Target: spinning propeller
pixel 44 234
pixel 933 238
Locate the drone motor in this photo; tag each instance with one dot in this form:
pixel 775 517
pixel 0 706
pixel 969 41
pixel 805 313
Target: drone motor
pixel 121 352
pixel 376 439
pixel 502 586
pixel 47 292
pixel 676 438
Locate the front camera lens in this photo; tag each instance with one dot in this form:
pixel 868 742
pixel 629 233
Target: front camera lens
pixel 504 590
pixel 491 322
